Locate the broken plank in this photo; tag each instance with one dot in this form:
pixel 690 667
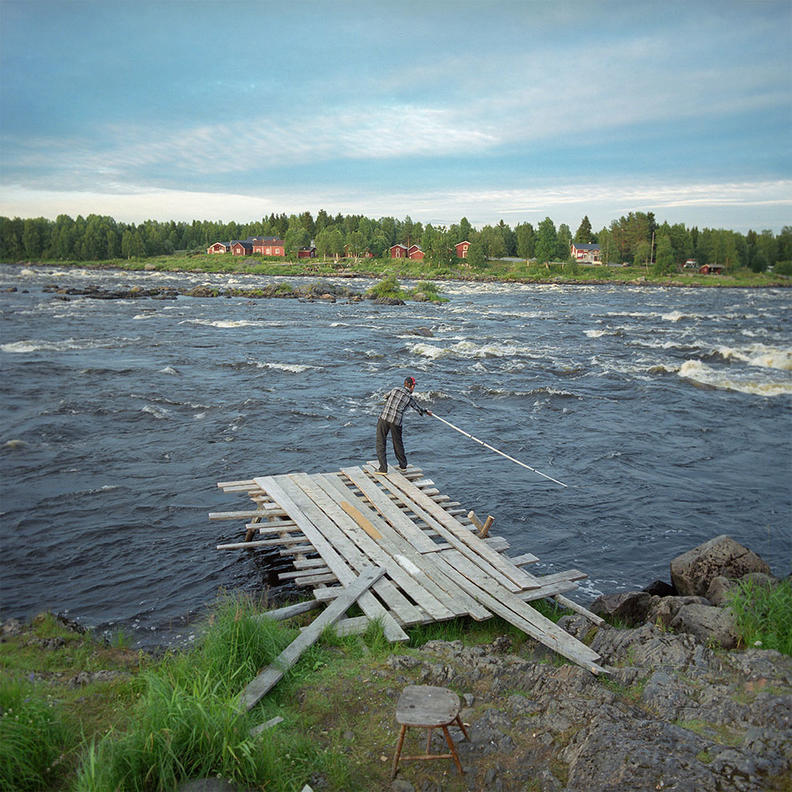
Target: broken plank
pixel 271 675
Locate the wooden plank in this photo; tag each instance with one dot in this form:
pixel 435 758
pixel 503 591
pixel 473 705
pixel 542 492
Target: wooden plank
pixel 515 574
pixel 573 606
pixel 368 603
pixel 364 523
pixel 271 675
pixel 524 559
pixel 327 515
pixel 434 517
pixel 289 611
pixel 412 543
pixel 511 608
pixel 355 625
pixel 385 553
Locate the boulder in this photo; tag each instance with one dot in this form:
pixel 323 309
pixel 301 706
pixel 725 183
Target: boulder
pixel 663 609
pixel 629 607
pixel 708 623
pixel 693 571
pixel 660 589
pixel 719 589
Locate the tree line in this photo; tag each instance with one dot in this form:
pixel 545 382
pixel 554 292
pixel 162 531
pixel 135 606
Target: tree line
pixel 635 238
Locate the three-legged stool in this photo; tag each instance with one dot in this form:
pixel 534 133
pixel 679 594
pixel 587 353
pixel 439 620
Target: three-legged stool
pixel 428 707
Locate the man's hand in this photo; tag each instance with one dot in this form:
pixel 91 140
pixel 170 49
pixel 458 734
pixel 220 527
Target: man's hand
pixel 428 412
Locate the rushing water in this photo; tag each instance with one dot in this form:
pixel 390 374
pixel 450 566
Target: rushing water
pixel 666 411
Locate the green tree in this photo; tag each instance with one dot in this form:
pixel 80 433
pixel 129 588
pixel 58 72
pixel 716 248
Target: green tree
pixel 664 258
pixel 584 234
pixel 564 242
pixel 546 241
pixel 296 237
pixel 477 255
pixel 526 240
pixel 492 240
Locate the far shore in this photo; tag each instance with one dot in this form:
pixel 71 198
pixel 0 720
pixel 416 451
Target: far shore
pixel 497 271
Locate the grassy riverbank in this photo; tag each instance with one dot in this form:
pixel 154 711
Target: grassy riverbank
pixel 82 715
pixel 496 270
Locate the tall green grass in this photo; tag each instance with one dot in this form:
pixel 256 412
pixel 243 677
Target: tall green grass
pixel 188 723
pixel 764 614
pixel 34 739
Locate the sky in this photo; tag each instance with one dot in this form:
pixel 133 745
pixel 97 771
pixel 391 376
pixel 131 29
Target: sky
pixel 436 110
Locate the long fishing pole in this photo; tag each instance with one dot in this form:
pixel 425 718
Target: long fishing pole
pixel 492 448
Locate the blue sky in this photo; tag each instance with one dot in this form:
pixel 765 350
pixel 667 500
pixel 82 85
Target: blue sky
pixel 201 109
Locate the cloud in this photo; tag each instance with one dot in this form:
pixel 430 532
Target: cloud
pixel 737 205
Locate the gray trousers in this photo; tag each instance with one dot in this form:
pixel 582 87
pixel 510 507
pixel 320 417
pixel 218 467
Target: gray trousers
pixel 383 427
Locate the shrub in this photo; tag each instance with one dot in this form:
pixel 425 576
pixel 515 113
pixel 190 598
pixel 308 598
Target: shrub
pixel 387 288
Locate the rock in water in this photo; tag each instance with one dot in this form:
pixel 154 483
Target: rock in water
pixel 693 571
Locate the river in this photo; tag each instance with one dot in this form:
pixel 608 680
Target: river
pixel 666 411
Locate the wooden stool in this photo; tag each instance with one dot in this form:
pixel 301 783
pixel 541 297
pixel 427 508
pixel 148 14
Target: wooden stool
pixel 428 708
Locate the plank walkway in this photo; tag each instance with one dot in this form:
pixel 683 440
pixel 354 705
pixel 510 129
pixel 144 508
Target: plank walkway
pixel 336 526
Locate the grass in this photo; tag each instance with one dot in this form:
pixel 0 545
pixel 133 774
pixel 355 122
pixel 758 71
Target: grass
pixel 496 270
pixel 764 614
pixel 34 739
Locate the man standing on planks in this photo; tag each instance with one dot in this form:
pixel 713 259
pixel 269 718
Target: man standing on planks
pixel 390 420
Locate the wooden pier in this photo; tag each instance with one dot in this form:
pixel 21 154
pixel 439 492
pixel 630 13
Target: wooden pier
pixel 438 561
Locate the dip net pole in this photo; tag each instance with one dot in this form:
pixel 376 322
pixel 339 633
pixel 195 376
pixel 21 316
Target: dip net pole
pixel 492 448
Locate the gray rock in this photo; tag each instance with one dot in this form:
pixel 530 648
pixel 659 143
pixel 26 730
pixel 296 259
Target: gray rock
pixel 663 609
pixel 708 623
pixel 719 590
pixel 629 607
pixel 693 571
pixel 659 588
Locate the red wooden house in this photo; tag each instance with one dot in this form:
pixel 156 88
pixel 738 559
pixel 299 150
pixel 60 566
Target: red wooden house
pixel 241 247
pixel 218 247
pixel 268 246
pixel 462 248
pixel 415 252
pixel 306 252
pixel 398 251
pixel 586 253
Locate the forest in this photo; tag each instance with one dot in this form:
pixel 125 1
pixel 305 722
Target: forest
pixel 636 238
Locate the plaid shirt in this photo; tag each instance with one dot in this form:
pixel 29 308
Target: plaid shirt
pixel 395 404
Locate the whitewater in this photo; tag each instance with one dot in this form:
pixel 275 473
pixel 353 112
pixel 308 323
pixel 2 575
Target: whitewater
pixel 666 411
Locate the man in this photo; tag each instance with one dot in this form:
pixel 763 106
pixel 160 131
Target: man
pixel 390 420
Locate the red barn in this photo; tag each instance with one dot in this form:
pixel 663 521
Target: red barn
pixel 398 251
pixel 461 249
pixel 415 252
pixel 218 247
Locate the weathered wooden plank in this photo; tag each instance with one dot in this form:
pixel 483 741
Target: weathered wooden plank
pixel 435 518
pixel 524 559
pixel 271 675
pixel 361 520
pixel 340 529
pixel 573 606
pixel 385 553
pixel 511 608
pixel 289 611
pixel 237 515
pixel 515 574
pixel 368 603
pixel 409 540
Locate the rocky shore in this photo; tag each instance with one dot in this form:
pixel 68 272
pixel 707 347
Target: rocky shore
pixel 677 710
pixel 683 705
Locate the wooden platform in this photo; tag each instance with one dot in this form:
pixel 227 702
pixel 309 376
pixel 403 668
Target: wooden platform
pixel 436 567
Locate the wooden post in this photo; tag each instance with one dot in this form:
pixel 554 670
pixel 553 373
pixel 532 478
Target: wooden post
pixel 484 530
